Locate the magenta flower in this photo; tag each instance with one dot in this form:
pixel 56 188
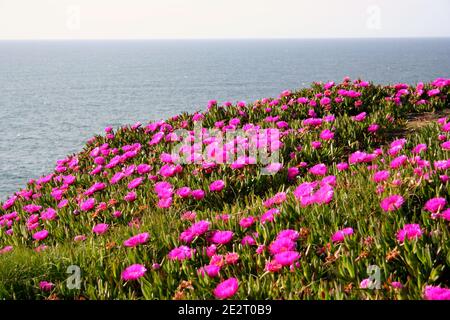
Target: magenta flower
pixel 436 293
pixel 226 289
pixel 435 205
pixel 32 208
pixel 409 231
pixel 198 194
pixel 287 258
pixel 184 192
pixel 46 286
pixel 319 169
pixel 342 166
pixel 130 197
pixel 247 222
pixel 392 203
pixel 87 205
pixel 48 214
pixel 134 272
pixel 217 186
pixel 181 253
pixel 100 228
pixel 221 237
pixel 200 227
pixel 373 128
pixel 360 117
pixel 136 240
pixel 135 183
pixel 40 235
pixel 380 176
pixel 6 249
pixel 79 238
pixel 326 135
pixel 396 285
pixel 211 270
pixel 164 203
pixel 231 258
pixel 340 235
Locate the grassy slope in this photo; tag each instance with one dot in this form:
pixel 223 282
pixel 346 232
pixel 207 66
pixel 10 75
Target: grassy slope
pixel 326 271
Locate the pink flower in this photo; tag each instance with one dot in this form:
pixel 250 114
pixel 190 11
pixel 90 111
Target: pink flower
pixel 381 176
pixel 446 214
pixel 130 197
pixel 373 128
pixel 221 237
pixel 87 205
pixel 184 192
pixel 134 272
pixel 435 205
pixel 135 183
pixel 409 231
pixel 286 258
pixel 269 215
pixel 273 266
pixel 79 238
pixel 164 203
pixel 392 203
pixel 181 253
pixel 211 270
pixel 226 289
pixel 360 117
pixel 342 166
pixel 46 286
pixel 326 135
pixel 446 145
pixel 436 293
pixel 200 227
pixel 340 235
pixel 217 186
pixel 32 208
pixel 247 222
pixel 319 170
pixel 248 241
pixel 398 162
pixel 143 168
pixel 198 194
pixel 396 285
pixel 48 214
pixel 419 148
pixel 100 228
pixel 6 249
pixel 365 283
pixel 40 235
pixel 231 258
pixel 136 240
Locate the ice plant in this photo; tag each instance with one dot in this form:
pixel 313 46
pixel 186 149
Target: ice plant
pixel 340 235
pixel 409 231
pixel 392 203
pixel 100 228
pixel 136 240
pixel 226 289
pixel 134 272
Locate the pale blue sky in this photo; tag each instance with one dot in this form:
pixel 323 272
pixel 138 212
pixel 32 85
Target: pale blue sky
pixel 137 19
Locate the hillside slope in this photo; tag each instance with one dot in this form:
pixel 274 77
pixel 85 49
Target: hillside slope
pixel 350 185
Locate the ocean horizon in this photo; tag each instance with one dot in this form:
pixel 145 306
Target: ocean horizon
pixel 56 94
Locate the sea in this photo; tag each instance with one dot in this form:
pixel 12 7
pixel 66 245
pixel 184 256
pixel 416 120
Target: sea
pixel 55 95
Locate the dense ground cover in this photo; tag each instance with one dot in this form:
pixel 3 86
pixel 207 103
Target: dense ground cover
pixel 351 189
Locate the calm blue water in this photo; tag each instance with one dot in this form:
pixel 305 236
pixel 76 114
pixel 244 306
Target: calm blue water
pixel 55 95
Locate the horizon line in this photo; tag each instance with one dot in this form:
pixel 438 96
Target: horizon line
pixel 225 38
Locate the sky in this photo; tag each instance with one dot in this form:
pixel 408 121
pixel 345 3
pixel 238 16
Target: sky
pixel 186 19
